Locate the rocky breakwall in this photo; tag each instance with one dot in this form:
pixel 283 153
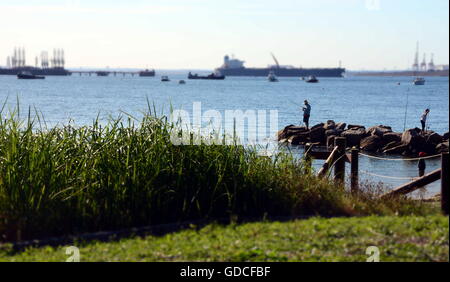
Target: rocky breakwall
pixel 375 139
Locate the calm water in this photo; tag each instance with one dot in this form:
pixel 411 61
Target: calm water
pixel 357 100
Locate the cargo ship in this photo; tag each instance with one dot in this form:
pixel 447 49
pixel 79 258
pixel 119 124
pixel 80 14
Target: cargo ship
pixel 235 67
pixel 57 71
pixel 147 73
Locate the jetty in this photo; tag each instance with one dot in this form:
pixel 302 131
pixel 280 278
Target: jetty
pixel 338 144
pixel 145 73
pixel 375 139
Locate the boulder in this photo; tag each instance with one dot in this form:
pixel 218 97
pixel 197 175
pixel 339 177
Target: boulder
pixel 413 139
pixel 330 141
pixel 354 136
pixel 379 130
pixel 330 125
pixel 400 149
pixel 341 126
pixel 353 126
pixel 372 143
pixel 330 132
pixel 299 138
pixel 317 134
pixel 434 138
pixel 391 145
pixel 392 137
pixel 443 147
pixel 445 136
pixel 317 126
pixel 290 130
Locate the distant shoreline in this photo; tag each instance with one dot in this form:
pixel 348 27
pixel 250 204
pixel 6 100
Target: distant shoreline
pixel 401 73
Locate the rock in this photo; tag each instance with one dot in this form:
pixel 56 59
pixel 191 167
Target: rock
pixel 320 125
pixel 372 143
pixel 352 126
pixel 330 132
pixel 379 130
pixel 400 149
pixel 299 138
pixel 330 141
pixel 354 136
pixel 330 125
pixel 413 139
pixel 391 145
pixel 289 131
pixel 445 136
pixel 317 134
pixel 341 126
pixel 434 139
pixel 443 147
pixel 392 137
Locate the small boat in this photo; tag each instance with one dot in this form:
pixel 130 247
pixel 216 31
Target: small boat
pixel 165 78
pixel 213 76
pixel 181 82
pixel 312 79
pixel 29 75
pixel 271 77
pixel 419 81
pixel 147 73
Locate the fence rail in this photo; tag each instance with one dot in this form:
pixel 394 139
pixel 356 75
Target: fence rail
pixel 338 157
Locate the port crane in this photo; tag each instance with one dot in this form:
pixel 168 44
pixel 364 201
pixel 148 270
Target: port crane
pixel 276 61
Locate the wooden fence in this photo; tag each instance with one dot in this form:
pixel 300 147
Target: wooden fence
pixel 338 157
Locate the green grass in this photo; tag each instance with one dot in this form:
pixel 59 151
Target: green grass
pixel 71 180
pixel 316 239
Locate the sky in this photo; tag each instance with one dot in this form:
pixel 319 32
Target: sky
pixel 196 34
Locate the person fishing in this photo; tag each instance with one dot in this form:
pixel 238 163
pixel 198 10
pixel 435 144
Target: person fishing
pixel 423 119
pixel 306 113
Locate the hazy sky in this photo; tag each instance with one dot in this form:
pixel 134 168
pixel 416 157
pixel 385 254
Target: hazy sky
pixel 170 34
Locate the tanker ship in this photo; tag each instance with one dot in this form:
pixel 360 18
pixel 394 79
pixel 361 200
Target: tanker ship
pixel 235 67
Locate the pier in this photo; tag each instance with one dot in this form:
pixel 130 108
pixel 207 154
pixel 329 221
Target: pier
pixel 106 73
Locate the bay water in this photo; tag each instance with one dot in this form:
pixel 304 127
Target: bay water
pixel 367 101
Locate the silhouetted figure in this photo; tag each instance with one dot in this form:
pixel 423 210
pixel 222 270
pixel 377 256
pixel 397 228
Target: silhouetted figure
pixel 306 113
pixel 422 165
pixel 423 119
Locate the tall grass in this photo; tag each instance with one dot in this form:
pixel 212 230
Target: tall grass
pixel 67 180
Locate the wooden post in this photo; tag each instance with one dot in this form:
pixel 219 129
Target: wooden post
pixel 444 183
pixel 328 163
pixel 354 170
pixel 339 167
pixel 308 164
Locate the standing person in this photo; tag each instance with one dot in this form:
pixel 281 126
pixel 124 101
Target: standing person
pixel 423 119
pixel 306 113
pixel 422 165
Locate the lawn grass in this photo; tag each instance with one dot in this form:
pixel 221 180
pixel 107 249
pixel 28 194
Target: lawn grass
pixel 316 239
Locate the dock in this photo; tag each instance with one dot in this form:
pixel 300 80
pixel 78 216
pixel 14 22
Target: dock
pixel 106 73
